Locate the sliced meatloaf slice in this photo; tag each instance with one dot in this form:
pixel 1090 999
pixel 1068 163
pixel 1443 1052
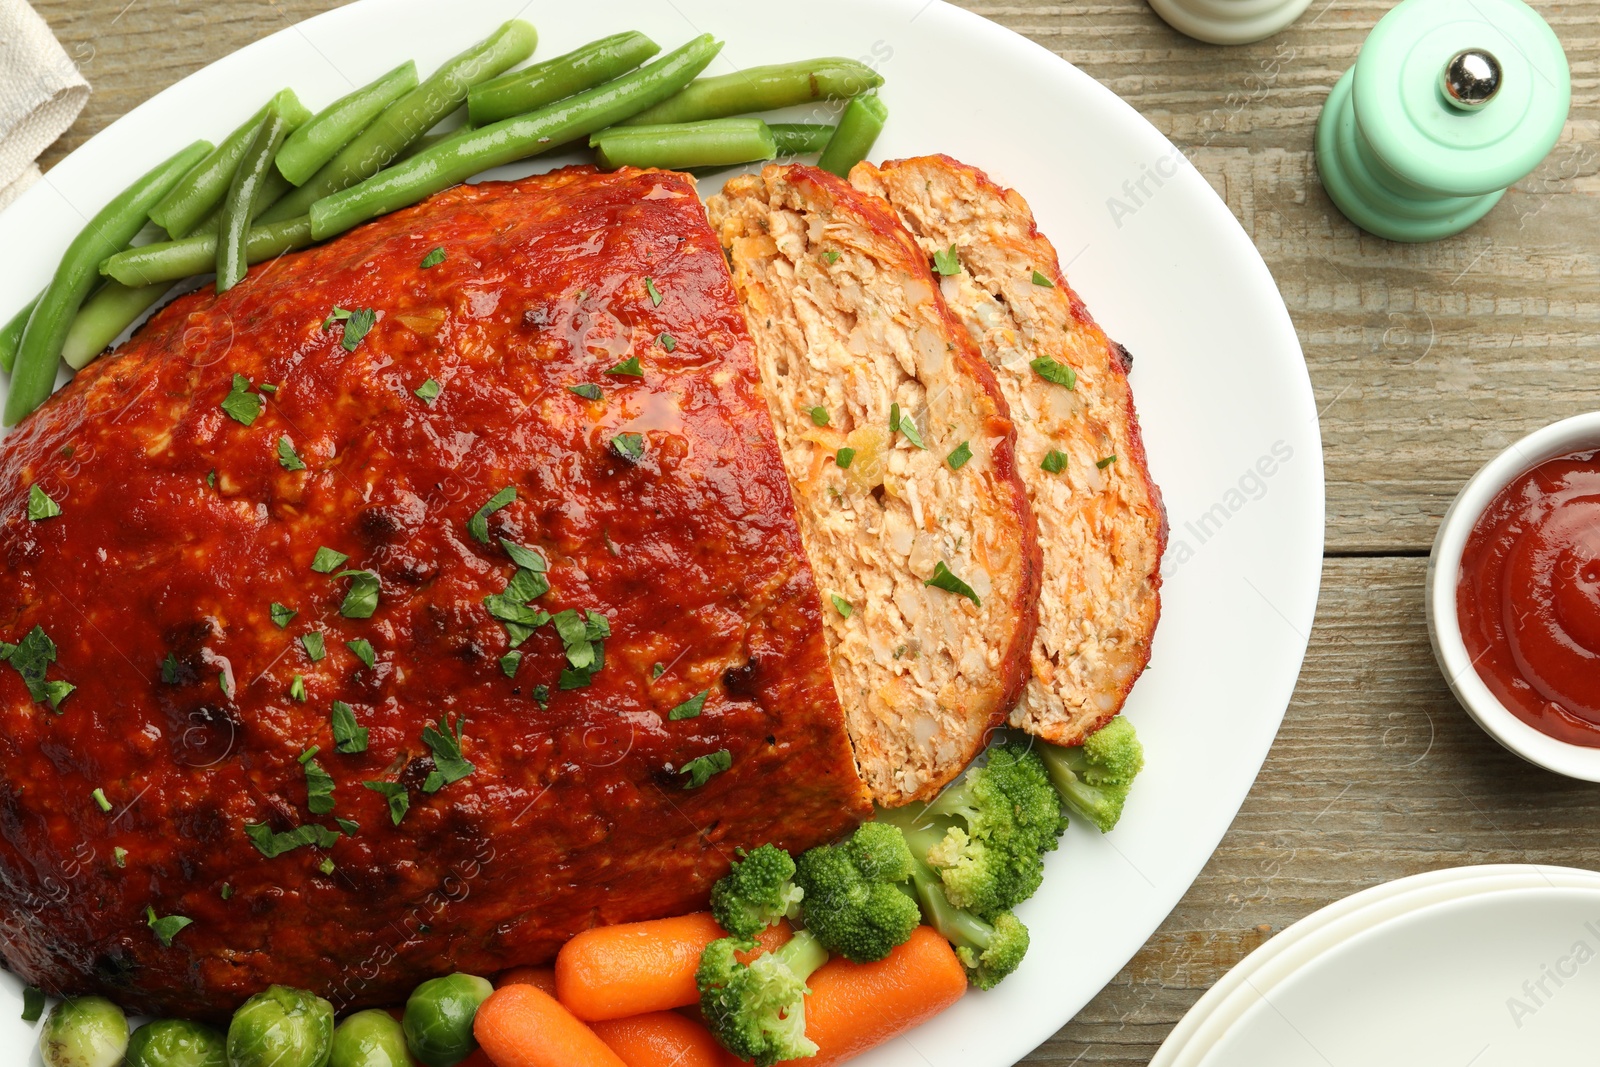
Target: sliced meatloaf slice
pixel 851 333
pixel 1100 519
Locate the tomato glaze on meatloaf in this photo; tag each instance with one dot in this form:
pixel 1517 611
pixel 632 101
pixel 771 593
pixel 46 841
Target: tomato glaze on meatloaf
pixel 186 537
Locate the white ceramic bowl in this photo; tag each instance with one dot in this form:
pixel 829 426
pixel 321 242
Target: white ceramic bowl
pixel 1577 434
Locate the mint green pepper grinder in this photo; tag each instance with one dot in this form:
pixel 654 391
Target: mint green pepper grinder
pixel 1449 103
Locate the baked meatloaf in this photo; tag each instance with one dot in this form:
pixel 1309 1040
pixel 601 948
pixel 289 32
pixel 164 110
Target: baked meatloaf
pixel 285 664
pixel 902 458
pixel 1100 519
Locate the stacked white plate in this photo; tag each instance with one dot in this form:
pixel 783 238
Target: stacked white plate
pixel 1492 966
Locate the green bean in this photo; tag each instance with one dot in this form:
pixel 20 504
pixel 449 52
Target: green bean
pixel 325 133
pixel 555 79
pixel 172 261
pixel 411 116
pixel 680 146
pixel 254 169
pixel 457 158
pixel 105 315
pixel 11 334
pixel 113 226
pixel 763 89
pixel 203 189
pixel 859 127
pixel 800 138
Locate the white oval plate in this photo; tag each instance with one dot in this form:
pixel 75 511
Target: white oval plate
pixel 1499 979
pixel 1223 395
pixel 1253 978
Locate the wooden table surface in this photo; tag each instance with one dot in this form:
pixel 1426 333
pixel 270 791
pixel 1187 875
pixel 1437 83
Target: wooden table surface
pixel 1426 360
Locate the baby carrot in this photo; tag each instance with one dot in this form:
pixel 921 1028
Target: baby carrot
pixel 521 1026
pixel 854 1006
pixel 539 977
pixel 612 972
pixel 661 1039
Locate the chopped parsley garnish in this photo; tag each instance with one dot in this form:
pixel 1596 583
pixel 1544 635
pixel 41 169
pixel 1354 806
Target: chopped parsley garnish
pixel 1040 279
pixel 588 390
pixel 526 558
pixel 31 657
pixel 171 670
pixel 327 866
pixel 225 684
pixel 399 799
pixel 509 664
pixel 319 788
pixel 690 708
pixel 841 605
pixel 541 693
pixel 326 561
pixel 1051 371
pixel 55 691
pixel 241 404
pixel 361 600
pixel 297 689
pixel 356 325
pixel 944 578
pixel 119 856
pixel 701 768
pixel 667 341
pixel 903 423
pixel 584 641
pixel 655 294
pixel 1104 463
pixel 281 614
pixel 347 736
pixel 211 478
pixel 167 928
pixel 40 506
pixel 657 670
pixel 349 827
pixel 313 645
pixel 226 892
pixel 831 256
pixel 448 764
pixel 844 457
pixel 433 259
pixel 288 459
pixel 959 455
pixel 947 262
pixel 100 800
pixel 363 651
pixel 819 415
pixel 32 1003
pixel 273 845
pixel 1054 462
pixel 428 391
pixel 629 367
pixel 478 525
pixel 630 446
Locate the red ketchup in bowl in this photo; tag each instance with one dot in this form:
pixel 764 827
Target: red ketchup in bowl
pixel 1529 598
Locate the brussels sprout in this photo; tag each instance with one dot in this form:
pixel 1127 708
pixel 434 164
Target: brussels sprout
pixel 281 1027
pixel 439 1017
pixel 177 1043
pixel 86 1032
pixel 371 1038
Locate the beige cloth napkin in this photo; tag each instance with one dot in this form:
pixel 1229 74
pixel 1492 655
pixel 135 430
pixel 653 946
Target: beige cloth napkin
pixel 41 93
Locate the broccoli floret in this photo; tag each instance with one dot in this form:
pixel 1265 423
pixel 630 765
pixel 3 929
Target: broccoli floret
pixel 756 893
pixel 851 904
pixel 988 950
pixel 1006 817
pixel 758 1010
pixel 1093 778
